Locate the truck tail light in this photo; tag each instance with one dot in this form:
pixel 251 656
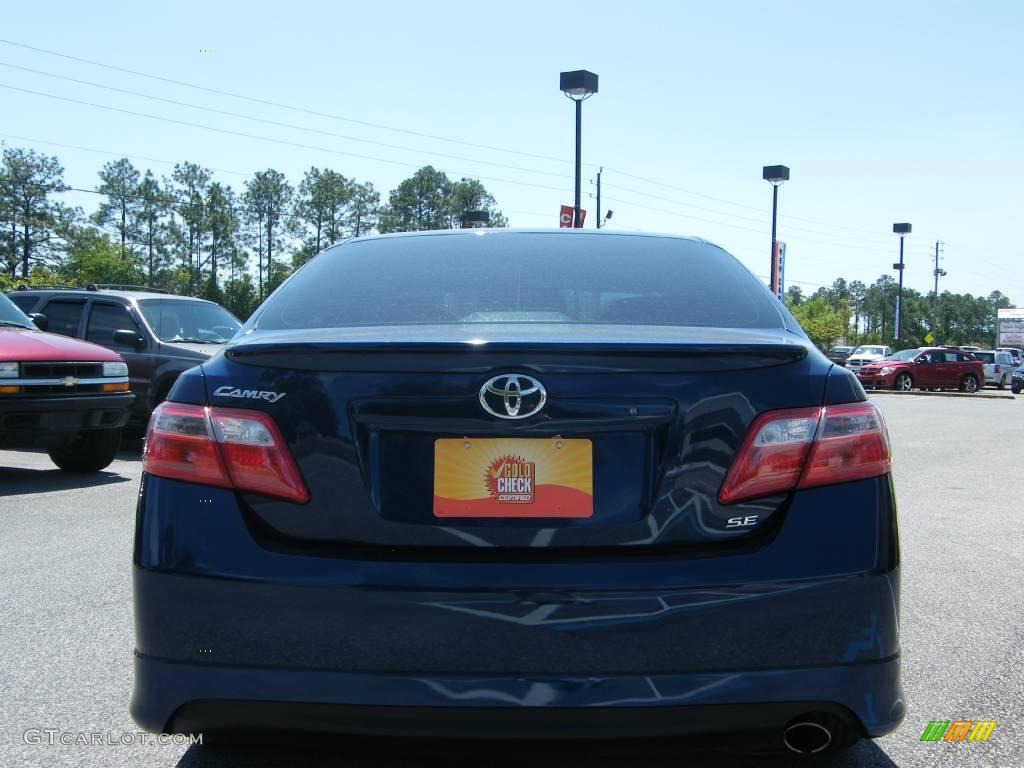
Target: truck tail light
pixel 806 448
pixel 223 447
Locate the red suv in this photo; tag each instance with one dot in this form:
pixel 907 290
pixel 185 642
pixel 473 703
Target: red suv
pixel 925 368
pixel 69 396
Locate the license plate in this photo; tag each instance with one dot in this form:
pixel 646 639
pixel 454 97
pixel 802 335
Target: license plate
pixel 513 477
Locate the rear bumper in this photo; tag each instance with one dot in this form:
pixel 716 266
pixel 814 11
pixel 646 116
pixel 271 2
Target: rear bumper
pixel 808 622
pixel 25 415
pixel 193 698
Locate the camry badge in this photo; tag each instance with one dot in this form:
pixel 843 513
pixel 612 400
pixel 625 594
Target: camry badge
pixel 512 396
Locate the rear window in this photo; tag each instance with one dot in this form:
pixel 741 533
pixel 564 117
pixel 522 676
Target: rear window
pixel 985 357
pixel 522 278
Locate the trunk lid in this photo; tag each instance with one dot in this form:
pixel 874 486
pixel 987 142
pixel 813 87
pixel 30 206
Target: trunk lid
pixel 659 413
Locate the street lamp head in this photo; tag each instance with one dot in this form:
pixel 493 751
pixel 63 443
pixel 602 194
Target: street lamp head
pixel 578 85
pixel 776 174
pixel 901 229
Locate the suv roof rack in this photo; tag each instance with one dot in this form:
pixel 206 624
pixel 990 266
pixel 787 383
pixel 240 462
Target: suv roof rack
pixel 92 287
pixel 124 287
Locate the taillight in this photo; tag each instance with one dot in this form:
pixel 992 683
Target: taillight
pixel 772 455
pixel 224 447
pixel 806 448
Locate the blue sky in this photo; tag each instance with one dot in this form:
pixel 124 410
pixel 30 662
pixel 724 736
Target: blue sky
pixel 884 112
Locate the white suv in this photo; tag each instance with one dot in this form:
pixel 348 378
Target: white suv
pixel 865 354
pixel 998 366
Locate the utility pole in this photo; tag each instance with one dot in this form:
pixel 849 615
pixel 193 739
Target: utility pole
pixel 935 299
pixel 599 170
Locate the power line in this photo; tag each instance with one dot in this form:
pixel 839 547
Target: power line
pixel 799 238
pixel 874 245
pixel 280 105
pixel 381 126
pixel 114 154
pixel 739 205
pixel 280 124
pixel 243 134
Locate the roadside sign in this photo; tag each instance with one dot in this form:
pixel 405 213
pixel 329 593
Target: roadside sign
pixel 565 217
pixel 1011 327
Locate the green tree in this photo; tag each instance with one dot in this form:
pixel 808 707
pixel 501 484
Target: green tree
pixel 322 206
pixel 92 258
pixel 822 324
pixel 267 200
pixel 470 195
pixel 152 222
pixel 119 181
pixel 418 203
pixel 223 225
pixel 189 183
pixel 363 211
pixel 31 219
pixel 239 296
pixel 794 296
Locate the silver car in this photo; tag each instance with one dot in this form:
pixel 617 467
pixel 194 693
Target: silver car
pixel 866 353
pixel 998 367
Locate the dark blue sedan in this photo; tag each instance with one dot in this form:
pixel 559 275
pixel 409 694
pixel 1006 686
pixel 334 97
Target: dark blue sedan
pixel 536 484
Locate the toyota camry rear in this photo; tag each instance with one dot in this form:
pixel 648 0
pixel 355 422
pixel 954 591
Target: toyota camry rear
pixel 518 484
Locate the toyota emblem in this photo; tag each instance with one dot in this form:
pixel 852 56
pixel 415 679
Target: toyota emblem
pixel 512 396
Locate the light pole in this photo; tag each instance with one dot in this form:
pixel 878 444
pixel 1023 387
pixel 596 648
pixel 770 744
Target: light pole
pixel 775 175
pixel 579 86
pixel 902 230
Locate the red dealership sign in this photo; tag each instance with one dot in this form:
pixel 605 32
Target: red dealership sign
pixel 565 217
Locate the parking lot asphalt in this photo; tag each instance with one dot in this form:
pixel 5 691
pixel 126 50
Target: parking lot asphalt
pixel 66 620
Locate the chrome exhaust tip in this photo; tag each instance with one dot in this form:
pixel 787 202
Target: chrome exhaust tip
pixel 806 737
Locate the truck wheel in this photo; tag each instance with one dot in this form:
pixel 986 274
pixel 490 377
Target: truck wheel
pixel 903 383
pixel 969 383
pixel 88 451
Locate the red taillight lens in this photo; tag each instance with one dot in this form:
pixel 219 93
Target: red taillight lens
pixel 255 454
pixel 772 455
pixel 224 447
pixel 180 445
pixel 851 444
pixel 808 447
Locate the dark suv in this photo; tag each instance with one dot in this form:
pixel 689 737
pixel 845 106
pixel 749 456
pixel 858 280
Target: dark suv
pixel 158 334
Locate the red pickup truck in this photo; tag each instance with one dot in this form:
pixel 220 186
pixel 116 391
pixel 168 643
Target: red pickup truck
pixel 925 368
pixel 69 396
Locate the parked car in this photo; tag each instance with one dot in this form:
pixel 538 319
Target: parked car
pixel 158 334
pixel 1015 353
pixel 924 368
pixel 502 482
pixel 968 348
pixel 1017 383
pixel 866 353
pixel 998 367
pixel 61 394
pixel 839 355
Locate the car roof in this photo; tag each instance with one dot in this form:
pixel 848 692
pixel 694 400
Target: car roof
pixel 133 295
